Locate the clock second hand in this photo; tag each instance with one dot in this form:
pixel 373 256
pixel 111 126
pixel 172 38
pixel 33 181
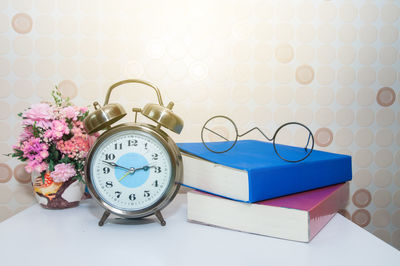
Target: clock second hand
pixel 126 174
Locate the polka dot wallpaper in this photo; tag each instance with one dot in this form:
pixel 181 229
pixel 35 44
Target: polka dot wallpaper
pixel 333 65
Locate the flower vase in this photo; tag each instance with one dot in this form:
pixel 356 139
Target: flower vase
pixel 56 195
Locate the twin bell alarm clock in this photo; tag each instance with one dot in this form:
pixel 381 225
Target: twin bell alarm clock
pixel 133 170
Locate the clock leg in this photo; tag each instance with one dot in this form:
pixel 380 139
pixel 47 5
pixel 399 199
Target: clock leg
pixel 104 218
pixel 159 216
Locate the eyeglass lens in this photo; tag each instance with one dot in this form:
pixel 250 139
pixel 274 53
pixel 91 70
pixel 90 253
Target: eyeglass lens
pixel 219 134
pixel 293 134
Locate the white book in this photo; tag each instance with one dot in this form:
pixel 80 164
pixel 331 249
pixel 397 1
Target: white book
pixel 296 217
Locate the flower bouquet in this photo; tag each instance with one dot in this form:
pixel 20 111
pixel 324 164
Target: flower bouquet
pixel 54 144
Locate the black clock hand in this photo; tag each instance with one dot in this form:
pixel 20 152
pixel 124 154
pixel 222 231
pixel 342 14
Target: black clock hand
pixel 116 165
pixel 146 167
pixel 133 170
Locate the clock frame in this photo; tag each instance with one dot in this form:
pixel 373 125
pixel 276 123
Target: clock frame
pixel 176 170
pixel 105 116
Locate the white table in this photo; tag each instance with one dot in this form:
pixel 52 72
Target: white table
pixel 72 237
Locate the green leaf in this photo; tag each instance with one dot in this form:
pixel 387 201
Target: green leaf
pixel 42 174
pixel 51 165
pixel 57 97
pixel 79 177
pixel 65 160
pixel 35 130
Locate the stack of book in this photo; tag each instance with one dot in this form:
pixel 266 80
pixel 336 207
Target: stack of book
pixel 251 189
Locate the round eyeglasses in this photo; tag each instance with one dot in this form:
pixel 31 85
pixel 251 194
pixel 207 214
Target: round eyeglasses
pixel 223 130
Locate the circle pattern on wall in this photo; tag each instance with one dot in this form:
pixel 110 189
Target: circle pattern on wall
pixel 333 65
pixel 22 23
pixel 304 74
pixel 386 96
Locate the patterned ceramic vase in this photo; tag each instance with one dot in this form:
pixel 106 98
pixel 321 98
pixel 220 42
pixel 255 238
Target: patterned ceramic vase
pixel 53 195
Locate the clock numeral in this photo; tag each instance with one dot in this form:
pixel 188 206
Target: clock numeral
pixel 132 197
pixel 118 194
pixel 106 170
pixel 109 184
pixel 110 156
pixel 146 193
pixel 145 146
pixel 133 142
pixel 154 156
pixel 155 183
pixel 157 169
pixel 118 146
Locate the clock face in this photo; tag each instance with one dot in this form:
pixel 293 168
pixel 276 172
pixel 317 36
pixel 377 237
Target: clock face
pixel 130 170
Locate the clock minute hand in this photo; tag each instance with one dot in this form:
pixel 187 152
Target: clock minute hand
pixel 116 165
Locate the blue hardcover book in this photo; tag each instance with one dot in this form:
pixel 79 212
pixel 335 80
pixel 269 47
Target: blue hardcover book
pixel 251 171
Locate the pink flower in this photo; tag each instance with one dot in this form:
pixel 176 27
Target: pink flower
pixel 77 131
pixel 41 167
pixel 38 123
pixel 25 134
pixel 76 147
pixel 59 128
pixel 44 154
pixel 70 112
pixel 83 109
pixel 41 113
pixel 36 152
pixel 32 147
pixel 36 166
pixel 54 133
pixel 63 172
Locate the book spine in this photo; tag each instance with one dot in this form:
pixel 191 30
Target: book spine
pixel 270 182
pixel 320 215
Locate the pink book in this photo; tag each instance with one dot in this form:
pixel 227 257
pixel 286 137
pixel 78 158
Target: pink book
pixel 296 217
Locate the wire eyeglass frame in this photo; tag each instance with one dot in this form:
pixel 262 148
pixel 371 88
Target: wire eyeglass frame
pixel 273 139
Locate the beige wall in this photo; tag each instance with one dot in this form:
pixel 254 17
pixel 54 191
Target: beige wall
pixel 333 65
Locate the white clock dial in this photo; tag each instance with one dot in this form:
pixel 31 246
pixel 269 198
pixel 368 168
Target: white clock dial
pixel 131 170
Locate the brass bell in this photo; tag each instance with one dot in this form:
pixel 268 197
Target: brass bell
pixel 103 117
pixel 163 116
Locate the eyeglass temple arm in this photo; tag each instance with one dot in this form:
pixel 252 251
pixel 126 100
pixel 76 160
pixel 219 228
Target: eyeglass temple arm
pixel 259 130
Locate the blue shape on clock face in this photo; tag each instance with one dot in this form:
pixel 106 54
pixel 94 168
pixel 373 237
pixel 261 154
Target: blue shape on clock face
pixel 136 161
